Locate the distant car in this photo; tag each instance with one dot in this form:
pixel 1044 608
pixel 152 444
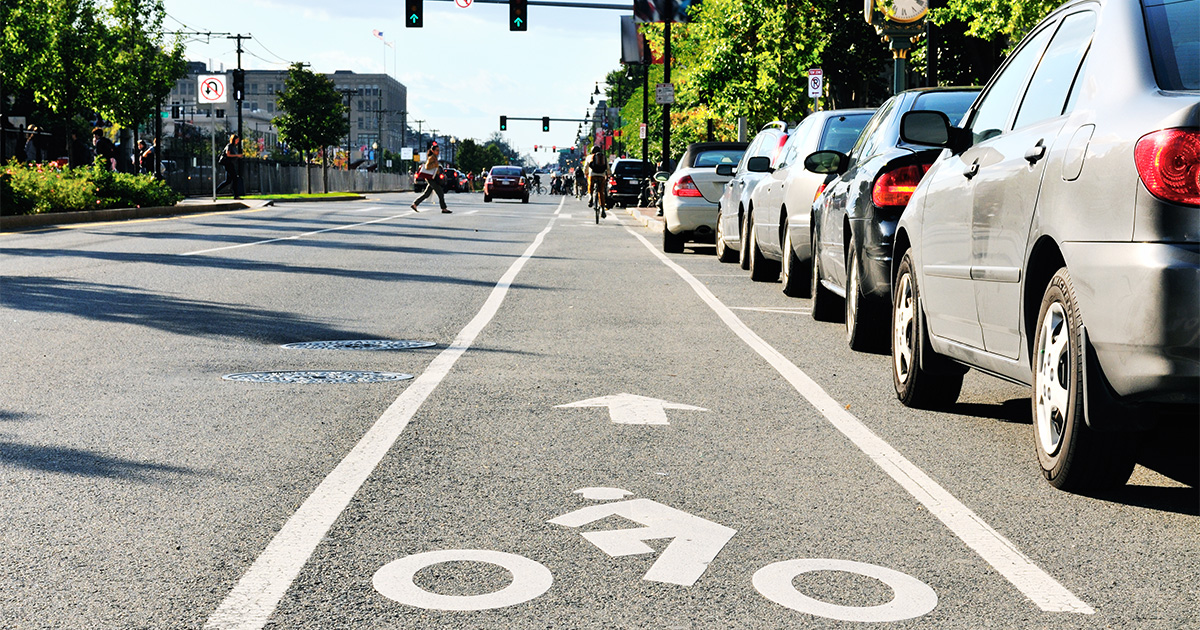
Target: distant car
pixel 735 197
pixel 781 204
pixel 506 182
pixel 1056 242
pixel 855 218
pixel 627 180
pixel 446 179
pixel 691 193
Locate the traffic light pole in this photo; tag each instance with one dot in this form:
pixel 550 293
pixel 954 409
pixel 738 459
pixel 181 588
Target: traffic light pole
pixel 239 93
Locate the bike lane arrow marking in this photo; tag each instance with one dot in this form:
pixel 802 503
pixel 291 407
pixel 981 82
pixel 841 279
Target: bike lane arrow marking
pixel 633 409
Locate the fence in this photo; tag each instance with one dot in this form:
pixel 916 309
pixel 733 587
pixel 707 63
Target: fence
pixel 267 177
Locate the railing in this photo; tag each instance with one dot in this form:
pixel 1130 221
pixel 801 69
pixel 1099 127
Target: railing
pixel 264 177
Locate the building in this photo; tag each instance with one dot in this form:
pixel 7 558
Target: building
pixel 378 107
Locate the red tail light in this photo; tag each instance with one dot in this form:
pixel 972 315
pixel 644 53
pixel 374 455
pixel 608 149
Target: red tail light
pixel 612 182
pixel 521 182
pixel 1168 161
pixel 895 188
pixel 820 189
pixel 686 187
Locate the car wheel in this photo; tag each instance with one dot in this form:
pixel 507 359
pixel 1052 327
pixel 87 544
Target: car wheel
pixel 825 305
pixel 796 276
pixel 865 330
pixel 1072 456
pixel 487 198
pixel 744 250
pixel 525 199
pixel 761 269
pixel 672 244
pixel 922 378
pixel 724 253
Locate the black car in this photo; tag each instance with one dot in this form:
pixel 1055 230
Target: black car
pixel 448 179
pixel 627 181
pixel 876 179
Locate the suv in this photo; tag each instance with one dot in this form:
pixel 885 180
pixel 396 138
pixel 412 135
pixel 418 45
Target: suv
pixel 1056 242
pixel 627 181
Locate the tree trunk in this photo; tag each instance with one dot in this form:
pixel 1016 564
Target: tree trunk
pixel 307 174
pixel 324 169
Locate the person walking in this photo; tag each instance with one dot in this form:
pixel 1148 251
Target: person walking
pixel 581 182
pixel 429 173
pixel 31 154
pixel 230 159
pixel 597 166
pixel 105 149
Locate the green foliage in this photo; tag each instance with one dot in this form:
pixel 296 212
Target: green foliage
pixel 473 157
pixel 139 71
pixel 313 111
pixel 990 18
pixel 38 188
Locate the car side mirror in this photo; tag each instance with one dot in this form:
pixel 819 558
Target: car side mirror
pixel 662 176
pixel 930 128
pixel 826 162
pixel 759 164
pixel 725 170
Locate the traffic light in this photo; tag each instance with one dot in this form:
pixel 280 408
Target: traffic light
pixel 535 148
pixel 554 149
pixel 239 83
pixel 518 16
pixel 175 112
pixel 545 123
pixel 414 13
pixel 504 123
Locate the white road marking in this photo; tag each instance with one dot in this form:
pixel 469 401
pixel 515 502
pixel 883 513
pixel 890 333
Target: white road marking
pixel 250 604
pixel 993 547
pixel 633 409
pixel 566 216
pixel 695 541
pixel 470 212
pixel 366 209
pixel 771 309
pixel 529 580
pixel 603 494
pixel 911 597
pixel 719 275
pixel 297 236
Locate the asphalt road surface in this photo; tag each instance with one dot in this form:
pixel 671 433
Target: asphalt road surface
pixel 601 436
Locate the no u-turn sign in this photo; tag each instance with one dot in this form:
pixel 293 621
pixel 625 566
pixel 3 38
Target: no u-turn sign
pixel 211 89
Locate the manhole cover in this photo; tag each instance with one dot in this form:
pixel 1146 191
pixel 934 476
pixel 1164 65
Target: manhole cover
pixel 360 344
pixel 318 376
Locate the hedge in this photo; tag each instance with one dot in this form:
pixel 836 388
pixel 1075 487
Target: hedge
pixel 37 188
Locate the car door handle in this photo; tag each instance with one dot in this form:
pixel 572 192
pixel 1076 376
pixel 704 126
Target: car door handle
pixel 972 170
pixel 1035 152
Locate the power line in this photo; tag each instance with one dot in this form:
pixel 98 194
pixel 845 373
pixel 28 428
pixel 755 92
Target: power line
pixel 272 53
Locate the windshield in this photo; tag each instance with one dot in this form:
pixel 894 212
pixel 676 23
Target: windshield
pixel 506 171
pixel 841 132
pixel 952 104
pixel 1174 42
pixel 714 157
pixel 631 169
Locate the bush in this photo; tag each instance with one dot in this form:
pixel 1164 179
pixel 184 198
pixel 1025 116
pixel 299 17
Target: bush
pixel 38 188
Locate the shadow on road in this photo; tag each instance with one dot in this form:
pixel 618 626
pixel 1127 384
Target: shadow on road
pixel 83 463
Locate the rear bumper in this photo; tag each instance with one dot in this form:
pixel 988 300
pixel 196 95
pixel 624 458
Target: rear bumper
pixel 1140 303
pixel 689 214
pixel 505 192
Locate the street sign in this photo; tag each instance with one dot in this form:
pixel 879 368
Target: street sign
pixel 463 3
pixel 642 131
pixel 816 80
pixel 212 89
pixel 664 94
pixel 406 153
pixel 389 164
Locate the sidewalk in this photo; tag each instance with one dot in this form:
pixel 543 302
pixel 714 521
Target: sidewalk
pixel 192 205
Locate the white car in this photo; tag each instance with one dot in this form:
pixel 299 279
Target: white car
pixel 731 209
pixel 779 214
pixel 691 193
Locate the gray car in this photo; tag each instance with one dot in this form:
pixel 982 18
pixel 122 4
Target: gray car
pixel 1056 242
pixel 731 208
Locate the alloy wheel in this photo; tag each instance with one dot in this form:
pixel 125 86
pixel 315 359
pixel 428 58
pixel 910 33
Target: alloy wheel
pixel 904 338
pixel 1052 378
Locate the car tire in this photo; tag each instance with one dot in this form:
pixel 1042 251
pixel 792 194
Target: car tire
pixel 724 253
pixel 672 243
pixel 825 303
pixel 922 378
pixel 795 275
pixel 761 269
pixel 487 198
pixel 744 250
pixel 866 327
pixel 525 199
pixel 1072 456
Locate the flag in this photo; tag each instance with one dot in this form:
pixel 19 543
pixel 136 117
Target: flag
pixel 377 33
pixel 389 44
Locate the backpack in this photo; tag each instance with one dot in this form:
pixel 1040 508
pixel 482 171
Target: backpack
pixel 597 163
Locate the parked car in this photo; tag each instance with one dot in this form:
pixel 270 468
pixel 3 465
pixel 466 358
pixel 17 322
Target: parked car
pixel 731 208
pixel 781 204
pixel 446 177
pixel 627 181
pixel 1056 243
pixel 854 219
pixel 505 182
pixel 691 193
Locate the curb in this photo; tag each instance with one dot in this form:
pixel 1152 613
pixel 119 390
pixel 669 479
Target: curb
pixel 647 217
pixel 26 221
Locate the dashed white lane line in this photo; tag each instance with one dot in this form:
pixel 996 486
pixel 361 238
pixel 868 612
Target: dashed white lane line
pixel 992 546
pixel 297 236
pixel 250 604
pixel 786 310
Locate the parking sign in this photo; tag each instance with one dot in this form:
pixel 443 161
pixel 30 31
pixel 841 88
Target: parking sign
pixel 816 80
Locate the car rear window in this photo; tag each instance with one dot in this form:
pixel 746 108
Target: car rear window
pixel 1174 32
pixel 952 104
pixel 842 131
pixel 631 169
pixel 714 157
pixel 506 171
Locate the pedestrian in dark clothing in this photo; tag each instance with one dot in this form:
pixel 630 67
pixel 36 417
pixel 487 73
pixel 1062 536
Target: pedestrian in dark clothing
pixel 105 149
pixel 230 159
pixel 145 158
pixel 30 147
pixel 81 153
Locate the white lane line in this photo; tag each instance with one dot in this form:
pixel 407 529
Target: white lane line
pixel 366 209
pixel 471 212
pixel 250 604
pixel 297 236
pixel 992 546
pixel 771 309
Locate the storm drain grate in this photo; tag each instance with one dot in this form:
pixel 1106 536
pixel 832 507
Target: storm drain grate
pixel 318 376
pixel 360 344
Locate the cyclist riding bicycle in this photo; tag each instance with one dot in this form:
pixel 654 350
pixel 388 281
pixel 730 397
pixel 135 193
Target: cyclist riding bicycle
pixel 597 166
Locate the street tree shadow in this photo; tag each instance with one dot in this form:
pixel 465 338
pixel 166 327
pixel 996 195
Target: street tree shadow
pixel 15 416
pixel 72 461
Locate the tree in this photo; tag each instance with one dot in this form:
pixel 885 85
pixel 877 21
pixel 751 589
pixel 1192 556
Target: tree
pixel 989 18
pixel 139 68
pixel 313 113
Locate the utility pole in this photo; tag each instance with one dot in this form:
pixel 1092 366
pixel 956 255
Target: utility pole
pixel 666 112
pixel 420 138
pixel 348 92
pixel 645 100
pixel 238 93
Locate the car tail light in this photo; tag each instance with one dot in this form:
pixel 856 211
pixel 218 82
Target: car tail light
pixel 820 189
pixel 521 182
pixel 1168 161
pixel 685 187
pixel 895 187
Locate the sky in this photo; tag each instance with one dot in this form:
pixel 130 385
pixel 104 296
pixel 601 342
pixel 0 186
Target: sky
pixel 463 69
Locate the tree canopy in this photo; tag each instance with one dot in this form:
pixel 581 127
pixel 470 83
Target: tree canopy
pixel 313 111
